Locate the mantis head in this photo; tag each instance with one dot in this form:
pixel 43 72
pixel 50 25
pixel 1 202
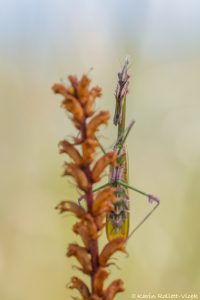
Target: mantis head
pixel 121 91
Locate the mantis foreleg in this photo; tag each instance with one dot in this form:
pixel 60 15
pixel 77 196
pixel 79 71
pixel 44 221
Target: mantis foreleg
pixel 151 199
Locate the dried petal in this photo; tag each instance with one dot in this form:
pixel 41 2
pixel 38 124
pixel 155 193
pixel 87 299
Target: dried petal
pixel 74 82
pixel 99 279
pixel 82 89
pixel 104 201
pixel 115 287
pixel 59 88
pixel 100 220
pixel 79 176
pixel 70 206
pixel 71 104
pixel 88 146
pixel 78 284
pixel 91 226
pixel 117 244
pixel 93 94
pixel 66 147
pixel 82 229
pixel 81 255
pixel 95 122
pixel 107 159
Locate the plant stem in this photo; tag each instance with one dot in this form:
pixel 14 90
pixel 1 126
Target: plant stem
pixel 94 249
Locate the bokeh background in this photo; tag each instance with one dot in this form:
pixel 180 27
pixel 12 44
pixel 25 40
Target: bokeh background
pixel 41 42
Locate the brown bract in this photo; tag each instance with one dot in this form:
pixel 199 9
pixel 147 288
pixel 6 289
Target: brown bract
pixel 99 279
pixel 104 201
pixel 72 105
pixel 68 148
pixel 99 119
pixel 81 254
pixel 93 94
pixel 89 221
pixel 115 287
pixel 80 177
pixel 106 160
pixel 88 148
pixel 117 244
pixel 78 284
pixel 82 229
pixel 70 206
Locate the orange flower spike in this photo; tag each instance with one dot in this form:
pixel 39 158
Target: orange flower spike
pixel 88 148
pixel 117 244
pixel 115 287
pixel 81 255
pixel 78 284
pixel 66 147
pixel 69 206
pixel 99 279
pixel 96 121
pixel 107 159
pixel 79 176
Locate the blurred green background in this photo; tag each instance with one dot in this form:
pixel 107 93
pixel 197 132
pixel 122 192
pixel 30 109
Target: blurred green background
pixel 41 42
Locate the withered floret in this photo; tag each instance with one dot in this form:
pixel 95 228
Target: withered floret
pixel 106 160
pixel 115 287
pixel 78 284
pixel 78 174
pixel 70 206
pixel 117 244
pixel 82 255
pixel 68 148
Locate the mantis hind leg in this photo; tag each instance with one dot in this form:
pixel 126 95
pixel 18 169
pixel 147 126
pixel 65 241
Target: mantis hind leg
pixel 151 199
pixel 142 221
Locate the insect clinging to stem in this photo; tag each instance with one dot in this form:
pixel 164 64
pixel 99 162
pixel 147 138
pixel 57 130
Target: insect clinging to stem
pixel 117 221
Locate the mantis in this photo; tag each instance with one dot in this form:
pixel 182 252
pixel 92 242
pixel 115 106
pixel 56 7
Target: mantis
pixel 117 221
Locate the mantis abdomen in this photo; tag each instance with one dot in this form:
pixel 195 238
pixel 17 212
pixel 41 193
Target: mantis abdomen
pixel 117 221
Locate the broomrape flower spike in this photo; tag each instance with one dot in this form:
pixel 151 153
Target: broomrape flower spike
pixel 78 100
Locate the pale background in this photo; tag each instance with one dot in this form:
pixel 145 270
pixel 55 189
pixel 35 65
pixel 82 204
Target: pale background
pixel 42 42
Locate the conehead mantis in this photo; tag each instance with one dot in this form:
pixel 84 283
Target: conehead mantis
pixel 117 221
